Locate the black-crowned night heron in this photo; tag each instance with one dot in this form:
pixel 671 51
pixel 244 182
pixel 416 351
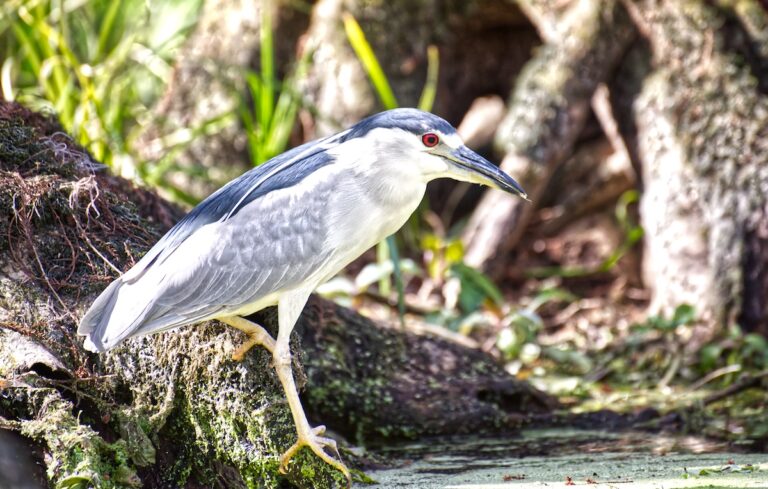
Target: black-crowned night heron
pixel 277 232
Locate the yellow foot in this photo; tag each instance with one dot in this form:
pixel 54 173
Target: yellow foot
pixel 316 443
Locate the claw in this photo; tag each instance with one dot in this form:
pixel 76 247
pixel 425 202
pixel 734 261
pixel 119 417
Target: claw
pixel 317 444
pixel 256 336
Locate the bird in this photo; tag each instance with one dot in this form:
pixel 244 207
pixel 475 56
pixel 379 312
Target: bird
pixel 274 234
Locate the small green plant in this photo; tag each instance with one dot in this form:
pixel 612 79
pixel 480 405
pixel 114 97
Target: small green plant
pixel 633 233
pixel 683 315
pixel 734 352
pixel 522 326
pixel 667 328
pixel 271 116
pixel 98 64
pixel 444 261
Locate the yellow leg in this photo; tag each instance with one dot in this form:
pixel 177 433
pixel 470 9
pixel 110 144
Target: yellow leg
pixel 308 436
pixel 288 309
pixel 256 336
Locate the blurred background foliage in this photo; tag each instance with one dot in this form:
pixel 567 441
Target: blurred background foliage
pixel 567 311
pixel 98 65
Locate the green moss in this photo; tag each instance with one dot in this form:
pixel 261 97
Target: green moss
pixel 78 455
pixel 133 429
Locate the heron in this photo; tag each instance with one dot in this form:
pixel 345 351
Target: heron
pixel 274 234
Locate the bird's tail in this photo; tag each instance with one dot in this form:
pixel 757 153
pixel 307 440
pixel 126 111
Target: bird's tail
pixel 104 327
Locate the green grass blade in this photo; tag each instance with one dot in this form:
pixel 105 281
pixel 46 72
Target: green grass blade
pixel 397 271
pixel 369 61
pixel 282 123
pixel 428 93
pixel 267 95
pixel 32 57
pixel 106 27
pixel 287 108
pixel 251 118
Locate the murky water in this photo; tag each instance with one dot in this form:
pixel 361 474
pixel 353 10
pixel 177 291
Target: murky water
pixel 565 458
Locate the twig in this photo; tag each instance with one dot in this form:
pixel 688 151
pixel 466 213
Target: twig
pixel 729 369
pixel 670 373
pixel 7 424
pixel 87 240
pixel 410 308
pixel 742 385
pixel 67 385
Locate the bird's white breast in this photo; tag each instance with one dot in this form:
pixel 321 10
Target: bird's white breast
pixel 372 199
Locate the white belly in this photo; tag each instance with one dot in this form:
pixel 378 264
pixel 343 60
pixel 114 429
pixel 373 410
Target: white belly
pixel 364 218
pixel 358 215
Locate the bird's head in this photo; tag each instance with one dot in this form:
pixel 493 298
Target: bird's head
pixel 432 145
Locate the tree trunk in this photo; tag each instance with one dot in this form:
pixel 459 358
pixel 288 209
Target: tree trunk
pixel 700 125
pixel 547 111
pixel 482 45
pixel 173 409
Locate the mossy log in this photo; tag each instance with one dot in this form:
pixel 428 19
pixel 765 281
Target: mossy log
pixel 173 409
pixel 698 123
pixel 547 112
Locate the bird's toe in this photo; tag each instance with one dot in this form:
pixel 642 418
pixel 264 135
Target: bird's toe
pixel 312 440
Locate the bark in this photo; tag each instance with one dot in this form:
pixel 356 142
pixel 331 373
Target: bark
pixel 173 410
pixel 547 111
pixel 701 134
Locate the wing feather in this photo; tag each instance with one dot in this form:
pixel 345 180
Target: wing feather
pixel 251 238
pixel 225 266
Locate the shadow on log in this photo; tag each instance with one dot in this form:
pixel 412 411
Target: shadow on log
pixel 173 410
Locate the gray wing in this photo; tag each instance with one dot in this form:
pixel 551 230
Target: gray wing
pixel 270 245
pixel 280 172
pixel 189 276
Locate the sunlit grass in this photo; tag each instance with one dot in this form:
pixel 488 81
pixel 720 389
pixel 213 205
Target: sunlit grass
pixel 99 65
pixel 269 119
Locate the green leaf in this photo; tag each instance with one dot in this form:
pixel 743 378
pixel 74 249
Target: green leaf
pixel 756 342
pixel 684 314
pixel 106 27
pixel 370 63
pixel 428 93
pixel 475 287
pixel 267 94
pixel 471 296
pixel 551 294
pixel 454 252
pixel 709 356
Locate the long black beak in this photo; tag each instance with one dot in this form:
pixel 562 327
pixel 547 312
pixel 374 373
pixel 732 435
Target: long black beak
pixel 486 172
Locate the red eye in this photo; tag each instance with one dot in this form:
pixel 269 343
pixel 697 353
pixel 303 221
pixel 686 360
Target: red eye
pixel 430 140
